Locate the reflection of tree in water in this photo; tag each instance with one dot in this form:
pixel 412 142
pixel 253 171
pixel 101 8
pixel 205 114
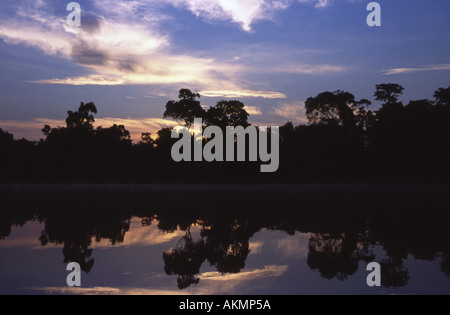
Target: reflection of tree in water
pixel 337 256
pixel 445 264
pixel 339 241
pixel 75 233
pixel 228 245
pixel 393 273
pixel 185 260
pixel 75 236
pixel 224 245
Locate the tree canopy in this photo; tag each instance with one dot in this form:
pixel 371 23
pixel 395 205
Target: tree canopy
pixel 227 113
pixel 388 92
pixel 83 117
pixel 186 109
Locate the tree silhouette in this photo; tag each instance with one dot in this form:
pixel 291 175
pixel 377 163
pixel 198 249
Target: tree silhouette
pixel 388 92
pixel 344 141
pixel 6 140
pixel 186 109
pixel 442 97
pixel 146 139
pixel 185 260
pixel 338 108
pixel 114 136
pixel 445 263
pixel 336 256
pixel 393 273
pixel 227 113
pixel 83 118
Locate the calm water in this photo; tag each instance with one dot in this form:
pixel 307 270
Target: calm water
pixel 225 240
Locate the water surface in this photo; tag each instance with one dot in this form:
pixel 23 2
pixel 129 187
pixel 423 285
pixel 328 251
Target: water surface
pixel 314 239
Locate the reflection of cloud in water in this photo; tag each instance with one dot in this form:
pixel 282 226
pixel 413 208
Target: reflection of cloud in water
pixel 140 235
pixel 268 271
pixel 294 246
pixel 256 247
pixel 212 283
pixel 24 237
pixel 280 243
pixel 106 291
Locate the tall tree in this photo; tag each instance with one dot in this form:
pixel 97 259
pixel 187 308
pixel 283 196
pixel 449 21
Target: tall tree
pixel 442 97
pixel 228 113
pixel 83 118
pixel 336 108
pixel 186 109
pixel 388 92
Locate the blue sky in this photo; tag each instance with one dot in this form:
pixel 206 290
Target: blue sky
pixel 131 57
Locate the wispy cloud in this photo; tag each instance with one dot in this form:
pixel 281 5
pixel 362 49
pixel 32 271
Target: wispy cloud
pixel 268 271
pixel 120 51
pixel 253 110
pixel 440 67
pixel 113 49
pixel 318 69
pixel 243 12
pixel 242 94
pixel 294 112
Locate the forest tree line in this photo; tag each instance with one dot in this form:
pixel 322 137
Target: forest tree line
pixel 344 140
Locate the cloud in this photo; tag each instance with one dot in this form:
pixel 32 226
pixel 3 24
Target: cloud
pixel 242 94
pixel 295 112
pixel 318 3
pixel 137 235
pixel 440 67
pixel 243 12
pixel 297 68
pixel 294 246
pixel 253 110
pixel 121 51
pixel 111 49
pixel 268 271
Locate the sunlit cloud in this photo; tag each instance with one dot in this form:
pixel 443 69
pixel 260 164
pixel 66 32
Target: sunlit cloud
pixel 116 50
pixel 243 12
pixel 242 94
pixel 253 110
pixel 294 246
pixel 440 67
pixel 87 80
pixel 294 112
pixel 119 51
pixel 309 69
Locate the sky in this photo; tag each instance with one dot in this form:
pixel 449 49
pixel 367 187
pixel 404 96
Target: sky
pixel 131 57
